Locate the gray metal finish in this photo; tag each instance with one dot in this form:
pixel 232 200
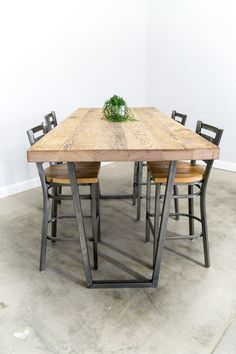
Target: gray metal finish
pixel 201 186
pixel 179 117
pixel 176 202
pixel 148 207
pixel 94 224
pixel 135 182
pixel 136 283
pixel 44 232
pixel 163 222
pixel 51 120
pixel 139 189
pixel 80 222
pixel 41 128
pixel 191 210
pixel 156 218
pixel 116 196
pixel 122 284
pixel 51 191
pixel 54 211
pixel 204 230
pixel 98 213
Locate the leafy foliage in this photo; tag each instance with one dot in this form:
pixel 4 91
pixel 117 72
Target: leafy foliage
pixel 116 110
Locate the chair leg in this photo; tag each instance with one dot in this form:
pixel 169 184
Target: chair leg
pixel 44 233
pixel 191 210
pixel 59 191
pixel 176 202
pixel 135 182
pixel 156 218
pixel 93 191
pixel 98 211
pixel 139 189
pixel 54 212
pixel 148 207
pixel 204 229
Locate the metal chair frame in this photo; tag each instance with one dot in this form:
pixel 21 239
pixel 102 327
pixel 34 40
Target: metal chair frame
pixel 191 195
pixel 176 115
pixel 138 175
pixel 51 120
pixel 50 191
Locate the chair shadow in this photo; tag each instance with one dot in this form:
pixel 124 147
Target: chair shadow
pixel 178 253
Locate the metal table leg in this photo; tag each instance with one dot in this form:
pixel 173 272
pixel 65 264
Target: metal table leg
pixel 80 223
pixel 164 221
pixel 142 283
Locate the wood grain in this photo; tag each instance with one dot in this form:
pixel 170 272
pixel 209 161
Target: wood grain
pixel 86 136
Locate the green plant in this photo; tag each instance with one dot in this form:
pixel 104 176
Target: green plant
pixel 116 110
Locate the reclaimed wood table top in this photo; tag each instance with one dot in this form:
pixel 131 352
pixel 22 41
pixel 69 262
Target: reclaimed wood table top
pixel 87 136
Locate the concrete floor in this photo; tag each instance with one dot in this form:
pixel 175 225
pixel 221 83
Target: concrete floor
pixel 192 310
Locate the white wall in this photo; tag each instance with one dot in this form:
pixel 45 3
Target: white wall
pixel 58 55
pixel 192 63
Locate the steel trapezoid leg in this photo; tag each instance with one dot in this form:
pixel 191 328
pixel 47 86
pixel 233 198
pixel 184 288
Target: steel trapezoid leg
pixel 164 221
pixel 80 223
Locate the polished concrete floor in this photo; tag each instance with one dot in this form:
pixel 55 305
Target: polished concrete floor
pixel 191 312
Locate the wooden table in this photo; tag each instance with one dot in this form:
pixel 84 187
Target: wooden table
pixel 86 136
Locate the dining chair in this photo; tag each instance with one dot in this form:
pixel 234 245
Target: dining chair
pixel 180 118
pixel 56 175
pixel 138 175
pixel 51 122
pixel 195 177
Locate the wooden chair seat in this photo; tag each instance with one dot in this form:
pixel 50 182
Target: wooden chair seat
pixel 86 172
pixel 185 172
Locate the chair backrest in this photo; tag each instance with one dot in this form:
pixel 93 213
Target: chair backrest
pixel 209 132
pixel 51 120
pixel 213 135
pixel 36 133
pixel 179 117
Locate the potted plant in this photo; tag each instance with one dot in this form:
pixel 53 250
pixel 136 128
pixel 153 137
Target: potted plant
pixel 115 109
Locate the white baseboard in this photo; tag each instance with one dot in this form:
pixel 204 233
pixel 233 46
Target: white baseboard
pixel 15 188
pixel 225 165
pixel 23 186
